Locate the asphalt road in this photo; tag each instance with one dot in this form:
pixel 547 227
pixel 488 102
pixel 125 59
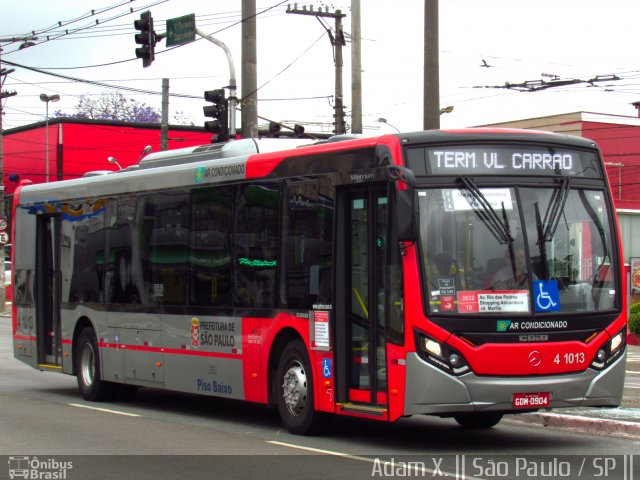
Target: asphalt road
pixel 170 435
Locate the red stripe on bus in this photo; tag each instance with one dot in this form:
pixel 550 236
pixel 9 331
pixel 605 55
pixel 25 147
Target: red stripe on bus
pixel 24 337
pixel 171 351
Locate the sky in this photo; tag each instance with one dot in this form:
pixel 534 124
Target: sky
pixel 483 46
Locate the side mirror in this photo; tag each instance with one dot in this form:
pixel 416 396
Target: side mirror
pixel 406 216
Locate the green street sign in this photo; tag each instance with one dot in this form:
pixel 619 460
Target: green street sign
pixel 181 30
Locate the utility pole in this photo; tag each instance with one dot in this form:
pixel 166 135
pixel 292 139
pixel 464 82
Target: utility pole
pixel 26 42
pixel 249 70
pixel 164 121
pixel 3 94
pixel 431 66
pixel 356 68
pixel 337 42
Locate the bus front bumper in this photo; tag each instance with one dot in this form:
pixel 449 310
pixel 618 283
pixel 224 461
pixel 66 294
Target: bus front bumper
pixel 433 391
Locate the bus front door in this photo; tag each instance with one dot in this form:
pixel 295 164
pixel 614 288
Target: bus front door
pixel 361 339
pixel 47 290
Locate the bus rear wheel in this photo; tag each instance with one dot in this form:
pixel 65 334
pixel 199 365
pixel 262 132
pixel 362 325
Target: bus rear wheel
pixel 296 393
pixel 87 360
pixel 478 420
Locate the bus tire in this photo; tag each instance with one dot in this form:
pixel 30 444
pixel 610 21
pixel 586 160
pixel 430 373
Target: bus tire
pixel 295 392
pixel 87 360
pixel 478 420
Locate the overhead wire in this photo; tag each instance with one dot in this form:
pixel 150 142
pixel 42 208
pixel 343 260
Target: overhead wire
pixel 66 32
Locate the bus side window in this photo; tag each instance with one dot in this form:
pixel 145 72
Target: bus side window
pixel 167 215
pixel 124 263
pixel 308 245
pixel 211 227
pixel 255 253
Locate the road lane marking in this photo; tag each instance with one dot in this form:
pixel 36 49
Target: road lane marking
pixel 423 470
pixel 105 410
pixel 318 450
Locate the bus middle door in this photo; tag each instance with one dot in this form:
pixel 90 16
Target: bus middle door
pixel 48 290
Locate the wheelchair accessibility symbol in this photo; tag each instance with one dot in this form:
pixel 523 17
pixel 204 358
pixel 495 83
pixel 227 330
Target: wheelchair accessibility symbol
pixel 546 295
pixel 326 368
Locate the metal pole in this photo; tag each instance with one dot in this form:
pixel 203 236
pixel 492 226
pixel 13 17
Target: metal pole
pixel 337 43
pixel 164 122
pixel 46 136
pixel 619 166
pixel 431 66
pixel 356 68
pixel 59 166
pixel 3 95
pixel 249 70
pixel 619 183
pixel 340 121
pixel 232 79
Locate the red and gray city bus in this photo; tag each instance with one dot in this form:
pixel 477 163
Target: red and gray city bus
pixel 459 273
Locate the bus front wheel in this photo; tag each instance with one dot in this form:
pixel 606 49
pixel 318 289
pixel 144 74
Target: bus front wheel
pixel 87 359
pixel 295 392
pixel 478 420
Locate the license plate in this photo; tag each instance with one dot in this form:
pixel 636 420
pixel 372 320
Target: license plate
pixel 531 400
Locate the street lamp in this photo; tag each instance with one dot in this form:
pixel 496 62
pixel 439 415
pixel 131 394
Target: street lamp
pixel 384 120
pixel 448 109
pixel 47 98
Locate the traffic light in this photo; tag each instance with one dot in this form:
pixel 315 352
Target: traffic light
pixel 274 130
pixel 146 38
pixel 218 112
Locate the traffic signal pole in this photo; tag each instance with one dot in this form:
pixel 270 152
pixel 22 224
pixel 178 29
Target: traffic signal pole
pixel 232 80
pixel 147 39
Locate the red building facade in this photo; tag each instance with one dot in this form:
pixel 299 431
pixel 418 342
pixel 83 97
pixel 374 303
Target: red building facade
pixel 77 146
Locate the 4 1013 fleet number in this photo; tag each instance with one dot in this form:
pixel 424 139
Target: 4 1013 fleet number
pixel 569 358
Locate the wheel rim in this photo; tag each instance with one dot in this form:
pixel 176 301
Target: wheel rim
pixel 294 388
pixel 87 365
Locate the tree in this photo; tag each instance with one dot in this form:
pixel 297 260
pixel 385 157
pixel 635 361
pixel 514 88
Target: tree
pixel 113 106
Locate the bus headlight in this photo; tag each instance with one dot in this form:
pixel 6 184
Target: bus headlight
pixel 441 355
pixel 617 341
pixel 610 351
pixel 432 347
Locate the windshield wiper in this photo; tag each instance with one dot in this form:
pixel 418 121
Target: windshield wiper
pixel 546 228
pixel 491 219
pixel 598 224
pixel 541 248
pixel 554 211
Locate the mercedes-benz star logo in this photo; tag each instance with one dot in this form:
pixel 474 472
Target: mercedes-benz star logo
pixel 535 358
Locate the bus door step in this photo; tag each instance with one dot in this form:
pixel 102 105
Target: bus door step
pixel 363 409
pixel 49 366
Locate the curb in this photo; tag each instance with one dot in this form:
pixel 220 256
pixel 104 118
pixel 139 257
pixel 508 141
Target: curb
pixel 597 426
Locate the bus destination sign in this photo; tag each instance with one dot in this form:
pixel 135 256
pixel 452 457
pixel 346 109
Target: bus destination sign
pixel 473 160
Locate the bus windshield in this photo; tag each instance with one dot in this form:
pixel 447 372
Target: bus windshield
pixel 527 250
